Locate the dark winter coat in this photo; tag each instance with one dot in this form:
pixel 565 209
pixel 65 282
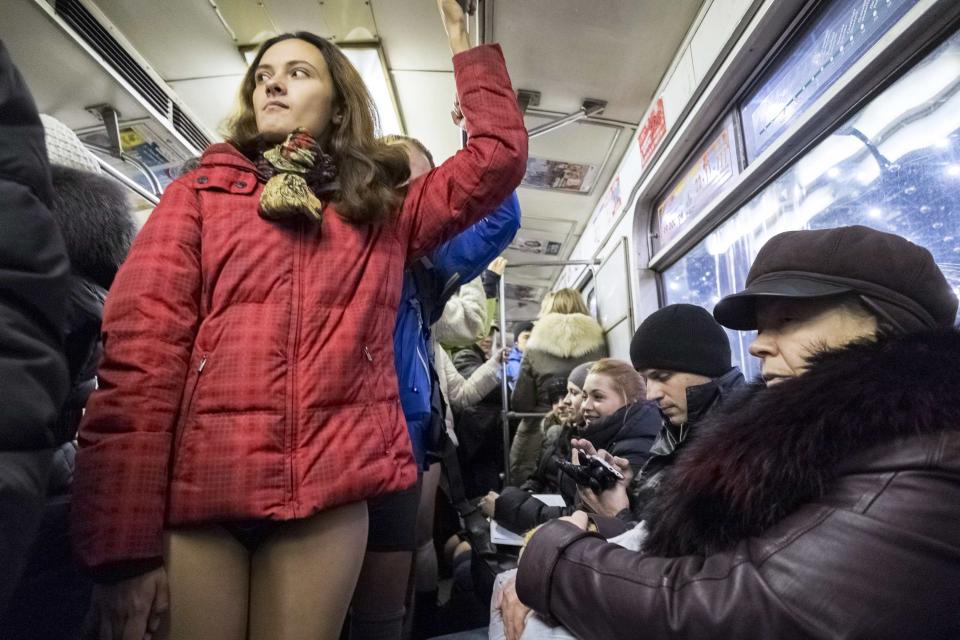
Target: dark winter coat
pixel 628 433
pixel 827 506
pixel 94 219
pixel 33 280
pixel 701 400
pixel 558 343
pixel 248 366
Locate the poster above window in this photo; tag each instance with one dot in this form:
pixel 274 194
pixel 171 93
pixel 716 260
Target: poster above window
pixel 829 45
pixel 701 181
pixel 557 175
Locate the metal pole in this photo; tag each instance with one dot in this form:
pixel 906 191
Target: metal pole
pixel 130 184
pixel 580 114
pixel 504 386
pixel 553 263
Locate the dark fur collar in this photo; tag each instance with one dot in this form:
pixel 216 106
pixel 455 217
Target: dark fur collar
pixel 94 218
pixel 767 451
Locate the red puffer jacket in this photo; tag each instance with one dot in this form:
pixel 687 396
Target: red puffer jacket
pixel 249 368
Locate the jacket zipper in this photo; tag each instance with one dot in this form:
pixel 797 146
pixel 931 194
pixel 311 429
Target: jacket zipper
pixel 420 355
pixel 188 409
pixel 292 427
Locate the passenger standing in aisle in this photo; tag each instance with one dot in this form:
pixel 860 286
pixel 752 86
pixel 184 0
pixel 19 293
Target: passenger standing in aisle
pixel 564 336
pixel 249 403
pixel 94 217
pixel 378 605
pixel 33 285
pixel 823 504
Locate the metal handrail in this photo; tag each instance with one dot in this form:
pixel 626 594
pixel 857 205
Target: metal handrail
pixel 127 182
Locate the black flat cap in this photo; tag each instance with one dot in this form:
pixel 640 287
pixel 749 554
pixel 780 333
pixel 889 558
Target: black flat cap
pixel 896 278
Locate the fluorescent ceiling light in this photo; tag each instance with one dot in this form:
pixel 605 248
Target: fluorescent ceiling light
pixel 370 64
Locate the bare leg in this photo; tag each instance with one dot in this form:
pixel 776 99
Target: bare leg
pixel 427 572
pixel 376 612
pixel 209 574
pixel 303 575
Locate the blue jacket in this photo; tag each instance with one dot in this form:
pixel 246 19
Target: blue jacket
pixel 513 366
pixel 464 256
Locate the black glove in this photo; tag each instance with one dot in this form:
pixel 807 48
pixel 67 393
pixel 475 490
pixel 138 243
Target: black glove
pixel 491 282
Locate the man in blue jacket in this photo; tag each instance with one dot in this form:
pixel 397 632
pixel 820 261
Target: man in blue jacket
pixel 378 605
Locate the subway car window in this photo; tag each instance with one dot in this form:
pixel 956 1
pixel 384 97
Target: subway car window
pixel 894 166
pixel 828 46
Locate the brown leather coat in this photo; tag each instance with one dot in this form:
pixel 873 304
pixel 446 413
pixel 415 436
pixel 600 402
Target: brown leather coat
pixel 825 507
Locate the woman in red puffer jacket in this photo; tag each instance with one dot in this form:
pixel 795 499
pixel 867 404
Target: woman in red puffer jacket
pixel 248 402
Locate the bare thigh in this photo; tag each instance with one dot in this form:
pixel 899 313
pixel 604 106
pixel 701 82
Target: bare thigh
pixel 303 576
pixel 209 574
pixel 428 498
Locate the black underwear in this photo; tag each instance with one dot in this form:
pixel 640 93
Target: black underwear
pixel 252 533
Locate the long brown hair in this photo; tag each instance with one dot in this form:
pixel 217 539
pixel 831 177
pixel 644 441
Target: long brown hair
pixel 369 170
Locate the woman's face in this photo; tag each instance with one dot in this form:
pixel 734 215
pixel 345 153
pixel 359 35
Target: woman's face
pixel 293 89
pixel 789 331
pixel 573 403
pixel 601 398
pixel 560 409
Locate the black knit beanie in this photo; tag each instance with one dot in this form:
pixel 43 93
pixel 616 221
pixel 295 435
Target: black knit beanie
pixel 523 326
pixel 684 338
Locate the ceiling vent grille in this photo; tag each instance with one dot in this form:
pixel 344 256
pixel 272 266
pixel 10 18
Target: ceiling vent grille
pixel 86 25
pixel 189 130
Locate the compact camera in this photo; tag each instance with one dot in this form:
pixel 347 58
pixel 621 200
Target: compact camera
pixel 593 472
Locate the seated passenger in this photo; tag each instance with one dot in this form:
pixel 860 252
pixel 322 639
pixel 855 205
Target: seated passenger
pixel 564 336
pixel 558 427
pixel 616 419
pixel 684 356
pixel 478 428
pixel 824 504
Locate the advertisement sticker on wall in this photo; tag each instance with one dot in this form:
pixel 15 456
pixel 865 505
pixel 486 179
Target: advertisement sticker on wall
pixel 653 132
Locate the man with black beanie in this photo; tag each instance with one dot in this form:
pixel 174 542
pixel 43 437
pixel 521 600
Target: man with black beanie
pixel 684 355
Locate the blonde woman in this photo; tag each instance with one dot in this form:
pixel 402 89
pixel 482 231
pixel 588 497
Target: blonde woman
pixel 563 337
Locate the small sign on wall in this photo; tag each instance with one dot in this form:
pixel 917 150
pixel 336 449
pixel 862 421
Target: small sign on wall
pixel 653 132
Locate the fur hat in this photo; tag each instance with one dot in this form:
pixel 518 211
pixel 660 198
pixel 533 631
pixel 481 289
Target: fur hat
pixel 94 219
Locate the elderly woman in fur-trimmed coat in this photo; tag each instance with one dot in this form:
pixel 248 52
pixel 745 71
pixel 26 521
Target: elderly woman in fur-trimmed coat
pixel 823 504
pixel 563 337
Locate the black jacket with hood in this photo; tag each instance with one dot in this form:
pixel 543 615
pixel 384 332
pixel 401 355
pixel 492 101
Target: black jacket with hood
pixel 701 400
pixel 33 278
pixel 629 433
pixel 827 506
